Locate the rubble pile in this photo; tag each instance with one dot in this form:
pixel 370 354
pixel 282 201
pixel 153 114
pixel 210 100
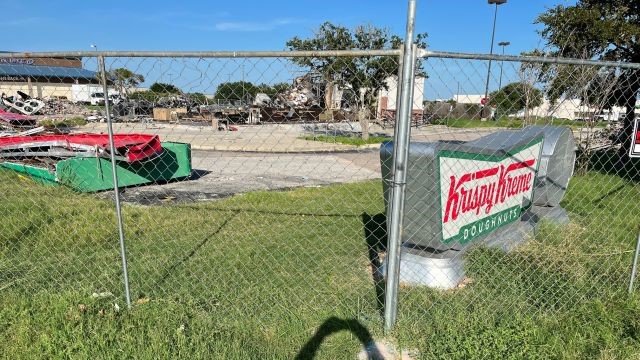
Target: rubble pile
pixel 57 106
pixel 176 101
pixel 21 103
pixel 132 109
pixel 301 94
pixel 16 124
pixel 601 138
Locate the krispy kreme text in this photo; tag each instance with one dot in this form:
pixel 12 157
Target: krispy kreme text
pixel 464 196
pixel 480 193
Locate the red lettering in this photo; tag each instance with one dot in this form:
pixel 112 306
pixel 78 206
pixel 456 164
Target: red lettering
pixel 461 199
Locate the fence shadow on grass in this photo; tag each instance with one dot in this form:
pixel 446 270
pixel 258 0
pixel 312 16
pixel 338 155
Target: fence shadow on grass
pixel 610 162
pixel 375 234
pixel 169 271
pixel 334 325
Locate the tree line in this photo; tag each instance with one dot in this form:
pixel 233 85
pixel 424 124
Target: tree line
pixel 588 29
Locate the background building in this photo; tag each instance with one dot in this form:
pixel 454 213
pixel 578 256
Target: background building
pixel 571 109
pixel 387 98
pixel 43 77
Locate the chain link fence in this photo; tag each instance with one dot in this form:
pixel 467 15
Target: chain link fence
pixel 254 188
pixel 573 238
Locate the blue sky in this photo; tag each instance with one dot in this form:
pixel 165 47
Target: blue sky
pixel 454 25
pixel 462 25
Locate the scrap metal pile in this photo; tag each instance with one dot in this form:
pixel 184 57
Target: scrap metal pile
pixel 80 160
pixel 10 121
pixel 21 103
pixel 133 110
pixel 16 124
pixel 303 94
pixel 302 101
pixel 128 147
pixel 59 106
pixel 83 161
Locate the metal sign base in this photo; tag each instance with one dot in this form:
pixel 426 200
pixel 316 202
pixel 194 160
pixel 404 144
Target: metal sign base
pixel 418 267
pixel 445 269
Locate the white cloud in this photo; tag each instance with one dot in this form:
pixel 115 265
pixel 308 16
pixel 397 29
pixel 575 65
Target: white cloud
pixel 252 25
pixel 21 22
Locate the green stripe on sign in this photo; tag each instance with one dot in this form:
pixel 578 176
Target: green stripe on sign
pixel 486 225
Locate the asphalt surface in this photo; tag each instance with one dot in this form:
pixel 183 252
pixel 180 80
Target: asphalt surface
pixel 219 174
pixel 266 157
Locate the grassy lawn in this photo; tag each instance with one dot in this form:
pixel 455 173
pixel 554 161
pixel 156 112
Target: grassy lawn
pixel 347 140
pixel 70 122
pixel 95 107
pixel 512 123
pixel 272 275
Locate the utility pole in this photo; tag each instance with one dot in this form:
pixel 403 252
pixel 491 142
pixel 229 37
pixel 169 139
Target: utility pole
pixel 493 34
pixel 503 44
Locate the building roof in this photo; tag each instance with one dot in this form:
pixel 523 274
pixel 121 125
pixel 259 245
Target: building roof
pixel 46 71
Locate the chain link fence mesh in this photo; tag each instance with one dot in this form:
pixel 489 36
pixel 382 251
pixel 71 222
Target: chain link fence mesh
pixel 252 188
pixel 563 264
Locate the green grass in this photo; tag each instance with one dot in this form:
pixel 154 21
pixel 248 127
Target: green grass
pixel 266 274
pixel 346 140
pixel 94 107
pixel 69 122
pixel 512 123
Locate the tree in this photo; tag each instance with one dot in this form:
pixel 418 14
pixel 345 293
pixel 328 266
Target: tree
pixel 600 29
pixel 515 97
pixel 236 90
pixel 272 90
pixel 198 98
pixel 164 88
pixel 365 75
pixel 246 91
pixel 124 79
pixel 531 74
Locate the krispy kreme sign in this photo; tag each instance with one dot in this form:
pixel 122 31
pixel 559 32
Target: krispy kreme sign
pixel 480 193
pixel 18 61
pixel 635 141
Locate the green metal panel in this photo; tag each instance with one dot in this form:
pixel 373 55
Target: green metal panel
pixel 90 174
pixel 94 174
pixel 37 173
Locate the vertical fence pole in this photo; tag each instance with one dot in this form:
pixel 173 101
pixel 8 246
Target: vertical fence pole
pixel 400 154
pixel 493 36
pixel 116 189
pixel 634 268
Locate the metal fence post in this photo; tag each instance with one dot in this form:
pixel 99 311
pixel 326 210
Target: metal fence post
pixel 400 154
pixel 116 189
pixel 634 268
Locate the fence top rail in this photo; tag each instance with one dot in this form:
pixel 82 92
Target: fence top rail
pixel 530 59
pixel 323 53
pixel 206 54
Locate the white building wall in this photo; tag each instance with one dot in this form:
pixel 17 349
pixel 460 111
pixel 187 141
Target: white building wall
pixel 387 97
pixel 468 99
pixel 34 89
pixel 571 109
pixel 45 90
